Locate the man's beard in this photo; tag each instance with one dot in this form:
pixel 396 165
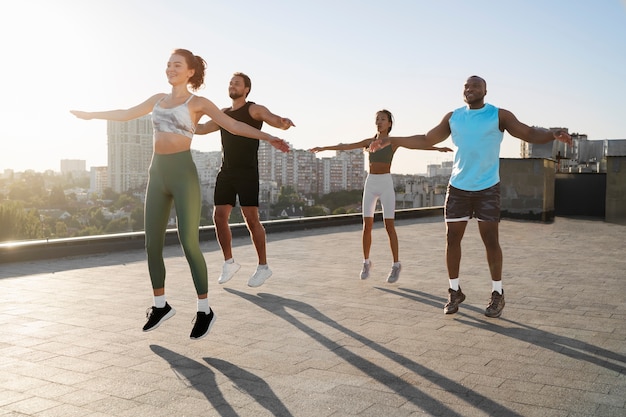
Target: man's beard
pixel 235 95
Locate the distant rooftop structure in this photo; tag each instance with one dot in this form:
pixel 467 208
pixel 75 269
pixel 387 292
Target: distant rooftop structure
pixel 583 156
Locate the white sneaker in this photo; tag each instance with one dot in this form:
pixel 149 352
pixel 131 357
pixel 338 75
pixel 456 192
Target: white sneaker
pixel 228 271
pixel 365 272
pixel 262 273
pixel 394 275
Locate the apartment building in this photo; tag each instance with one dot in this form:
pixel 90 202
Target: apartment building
pixel 129 153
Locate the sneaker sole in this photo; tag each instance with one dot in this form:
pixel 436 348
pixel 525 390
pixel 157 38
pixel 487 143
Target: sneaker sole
pixel 255 284
pixel 455 309
pixel 207 330
pixel 450 311
pixel 366 276
pixel 494 316
pixel 221 280
pixel 393 280
pixel 169 315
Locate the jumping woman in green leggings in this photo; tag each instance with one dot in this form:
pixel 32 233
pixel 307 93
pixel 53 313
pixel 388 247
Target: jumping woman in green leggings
pixel 174 180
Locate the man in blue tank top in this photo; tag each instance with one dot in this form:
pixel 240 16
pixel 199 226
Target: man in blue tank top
pixel 239 176
pixel 474 187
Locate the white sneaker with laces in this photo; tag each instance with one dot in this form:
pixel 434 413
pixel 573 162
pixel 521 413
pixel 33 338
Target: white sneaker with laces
pixel 394 275
pixel 228 271
pixel 365 272
pixel 262 273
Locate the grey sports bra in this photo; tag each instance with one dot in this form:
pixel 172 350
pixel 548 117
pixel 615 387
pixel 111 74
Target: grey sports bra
pixel 175 120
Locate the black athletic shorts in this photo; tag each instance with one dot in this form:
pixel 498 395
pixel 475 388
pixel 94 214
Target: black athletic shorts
pixel 462 205
pixel 242 183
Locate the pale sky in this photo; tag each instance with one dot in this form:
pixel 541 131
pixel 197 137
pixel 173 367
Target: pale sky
pixel 327 65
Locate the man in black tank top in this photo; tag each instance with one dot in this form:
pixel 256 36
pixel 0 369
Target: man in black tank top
pixel 239 176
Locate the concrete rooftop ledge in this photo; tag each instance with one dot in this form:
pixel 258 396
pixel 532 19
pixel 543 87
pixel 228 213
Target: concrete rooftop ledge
pixel 88 245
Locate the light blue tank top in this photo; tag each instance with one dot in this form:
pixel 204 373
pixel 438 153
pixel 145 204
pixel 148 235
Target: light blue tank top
pixel 175 120
pixel 477 136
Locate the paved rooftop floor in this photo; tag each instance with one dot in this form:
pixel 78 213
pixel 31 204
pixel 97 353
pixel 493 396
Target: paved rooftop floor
pixel 317 341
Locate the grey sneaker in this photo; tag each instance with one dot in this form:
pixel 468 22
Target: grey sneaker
pixel 365 272
pixel 228 271
pixel 262 273
pixel 496 305
pixel 394 274
pixel 454 299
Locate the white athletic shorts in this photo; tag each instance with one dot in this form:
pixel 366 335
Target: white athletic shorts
pixel 379 187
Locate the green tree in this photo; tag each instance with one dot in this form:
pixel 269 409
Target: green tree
pixel 16 223
pixel 287 197
pixel 109 194
pixel 57 198
pixel 313 211
pixel 137 218
pixel 338 199
pixel 60 229
pixel 118 225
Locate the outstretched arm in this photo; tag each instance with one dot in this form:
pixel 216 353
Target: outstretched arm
pixel 121 115
pixel 343 146
pixel 425 142
pixel 259 112
pixel 509 122
pixel 208 127
pixel 205 106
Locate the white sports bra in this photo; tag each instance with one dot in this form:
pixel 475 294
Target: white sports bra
pixel 175 120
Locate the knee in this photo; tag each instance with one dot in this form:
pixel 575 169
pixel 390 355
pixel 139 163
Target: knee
pixel 220 217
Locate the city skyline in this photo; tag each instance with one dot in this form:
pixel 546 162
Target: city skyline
pixel 329 66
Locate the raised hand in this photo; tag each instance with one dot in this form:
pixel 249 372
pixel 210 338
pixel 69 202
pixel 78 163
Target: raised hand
pixel 378 143
pixel 562 136
pixel 286 123
pixel 280 144
pixel 81 114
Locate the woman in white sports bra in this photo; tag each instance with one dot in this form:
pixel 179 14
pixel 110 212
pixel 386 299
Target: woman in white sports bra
pixel 378 186
pixel 174 180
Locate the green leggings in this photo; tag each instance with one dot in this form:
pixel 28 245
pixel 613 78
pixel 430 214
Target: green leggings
pixel 174 179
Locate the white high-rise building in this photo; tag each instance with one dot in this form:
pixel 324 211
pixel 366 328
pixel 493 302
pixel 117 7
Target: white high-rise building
pixel 98 179
pixel 130 152
pixel 73 166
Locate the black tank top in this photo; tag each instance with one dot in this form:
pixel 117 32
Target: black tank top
pixel 239 152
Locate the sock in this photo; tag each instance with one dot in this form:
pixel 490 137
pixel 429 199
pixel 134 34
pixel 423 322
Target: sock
pixel 230 261
pixel 396 263
pixel 159 301
pixel 366 261
pixel 203 305
pixel 454 284
pixel 262 266
pixel 497 286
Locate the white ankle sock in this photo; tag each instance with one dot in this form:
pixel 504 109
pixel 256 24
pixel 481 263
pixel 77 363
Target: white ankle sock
pixel 366 261
pixel 230 261
pixel 497 286
pixel 454 284
pixel 159 301
pixel 203 305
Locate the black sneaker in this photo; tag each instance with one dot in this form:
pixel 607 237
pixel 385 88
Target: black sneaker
pixel 156 316
pixel 454 299
pixel 496 305
pixel 202 325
